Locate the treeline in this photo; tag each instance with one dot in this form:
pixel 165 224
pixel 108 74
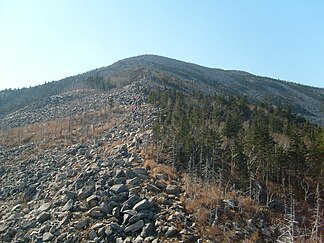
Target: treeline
pixel 254 144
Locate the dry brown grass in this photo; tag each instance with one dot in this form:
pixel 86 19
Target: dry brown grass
pixel 254 237
pixel 201 199
pixel 63 131
pixel 149 164
pixel 165 169
pixel 148 152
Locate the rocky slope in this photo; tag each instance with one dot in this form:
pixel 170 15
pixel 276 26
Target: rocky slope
pixel 96 190
pixel 59 186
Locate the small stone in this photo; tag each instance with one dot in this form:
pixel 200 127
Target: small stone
pixel 43 217
pixel 109 231
pixel 47 236
pixel 92 235
pixel 141 171
pixel 85 192
pixel 134 181
pixel 18 206
pixel 3 228
pixel 92 201
pixel 134 227
pixel 147 230
pixel 127 240
pixel 142 205
pixel 153 188
pixel 45 207
pixel 95 213
pixel 173 189
pixel 68 206
pixel 101 232
pixel 171 231
pixel 82 224
pixel 71 195
pixel 119 188
pixel 119 173
pixel 160 185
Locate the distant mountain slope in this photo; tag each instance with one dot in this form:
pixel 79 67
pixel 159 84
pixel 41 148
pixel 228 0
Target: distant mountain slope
pixel 166 72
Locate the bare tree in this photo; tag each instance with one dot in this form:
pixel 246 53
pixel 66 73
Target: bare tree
pixel 315 235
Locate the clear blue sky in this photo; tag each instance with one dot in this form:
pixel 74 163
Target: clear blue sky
pixel 48 40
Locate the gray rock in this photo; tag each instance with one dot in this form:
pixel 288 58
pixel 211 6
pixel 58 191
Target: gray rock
pixel 119 188
pixel 61 237
pixel 141 171
pixel 18 206
pixel 85 192
pixel 135 227
pixel 153 188
pixel 44 207
pixel 121 180
pixel 3 228
pixel 142 205
pixel 95 213
pixel 71 195
pixel 92 200
pixel 132 200
pixel 160 185
pixel 83 223
pixel 137 217
pixel 119 173
pixel 134 181
pixel 172 189
pixel 92 235
pixel 44 216
pixel 30 193
pixel 127 240
pixel 109 231
pixel 171 231
pixel 147 230
pixel 101 232
pixel 47 236
pixel 116 212
pixel 68 206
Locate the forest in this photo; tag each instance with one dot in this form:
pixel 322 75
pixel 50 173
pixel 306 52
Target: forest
pixel 267 153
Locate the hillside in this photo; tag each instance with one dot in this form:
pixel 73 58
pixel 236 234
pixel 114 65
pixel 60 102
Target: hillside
pixel 146 150
pixel 190 78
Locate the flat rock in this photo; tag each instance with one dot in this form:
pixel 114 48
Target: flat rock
pixel 142 205
pixel 153 188
pixel 47 236
pixel 173 189
pixel 134 227
pixel 119 188
pixel 44 207
pixel 44 216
